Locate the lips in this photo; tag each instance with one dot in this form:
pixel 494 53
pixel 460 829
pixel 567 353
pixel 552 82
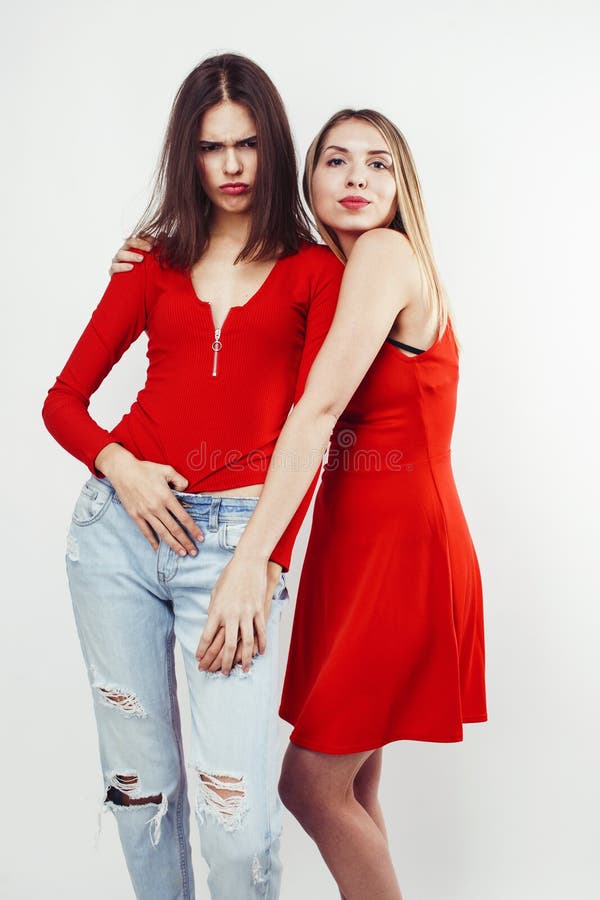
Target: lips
pixel 237 187
pixel 353 202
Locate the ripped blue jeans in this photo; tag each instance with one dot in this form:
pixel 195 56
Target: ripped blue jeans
pixel 130 604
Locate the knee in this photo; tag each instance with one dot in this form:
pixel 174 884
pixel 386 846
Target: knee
pixel 124 795
pixel 222 800
pixel 366 795
pixel 295 795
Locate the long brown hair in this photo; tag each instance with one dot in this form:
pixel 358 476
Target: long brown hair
pixel 410 216
pixel 178 214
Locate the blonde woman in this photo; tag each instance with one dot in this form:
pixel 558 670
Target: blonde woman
pixel 388 637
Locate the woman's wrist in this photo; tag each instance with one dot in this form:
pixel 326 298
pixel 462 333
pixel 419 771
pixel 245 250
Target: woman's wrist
pixel 251 557
pixel 109 456
pixel 274 568
pixel 249 550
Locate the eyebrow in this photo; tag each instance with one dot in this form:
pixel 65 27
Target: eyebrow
pixel 369 152
pixel 224 143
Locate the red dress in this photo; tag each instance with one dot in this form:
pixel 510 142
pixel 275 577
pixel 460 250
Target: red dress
pixel 388 637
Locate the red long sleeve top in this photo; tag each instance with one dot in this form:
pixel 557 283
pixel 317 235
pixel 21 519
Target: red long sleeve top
pixel 213 414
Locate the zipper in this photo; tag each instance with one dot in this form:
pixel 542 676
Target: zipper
pixel 216 345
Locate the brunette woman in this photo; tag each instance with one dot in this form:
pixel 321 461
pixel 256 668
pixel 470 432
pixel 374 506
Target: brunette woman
pixel 388 640
pixel 236 300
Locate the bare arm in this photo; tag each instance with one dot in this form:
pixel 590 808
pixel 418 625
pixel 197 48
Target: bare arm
pixel 376 286
pixel 378 282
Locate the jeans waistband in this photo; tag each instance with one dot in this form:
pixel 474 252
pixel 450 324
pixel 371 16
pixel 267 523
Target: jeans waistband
pixel 208 506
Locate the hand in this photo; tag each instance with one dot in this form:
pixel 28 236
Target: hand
pixel 123 259
pixel 143 489
pixel 240 603
pixel 215 651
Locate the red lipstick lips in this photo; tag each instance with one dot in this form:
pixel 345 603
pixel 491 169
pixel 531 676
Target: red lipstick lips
pixel 234 187
pixel 353 202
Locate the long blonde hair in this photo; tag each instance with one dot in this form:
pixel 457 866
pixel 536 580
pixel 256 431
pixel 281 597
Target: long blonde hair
pixel 410 216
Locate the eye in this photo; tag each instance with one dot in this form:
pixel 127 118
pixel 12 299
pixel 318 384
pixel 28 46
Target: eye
pixel 207 148
pixel 333 162
pixel 251 142
pixel 378 164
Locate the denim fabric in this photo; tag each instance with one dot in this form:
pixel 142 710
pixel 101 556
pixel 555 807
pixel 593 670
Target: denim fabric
pixel 131 603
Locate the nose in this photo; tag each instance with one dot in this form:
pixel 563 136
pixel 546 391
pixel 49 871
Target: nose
pixel 232 163
pixel 356 179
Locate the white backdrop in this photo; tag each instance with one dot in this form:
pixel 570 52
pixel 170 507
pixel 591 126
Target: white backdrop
pixel 499 102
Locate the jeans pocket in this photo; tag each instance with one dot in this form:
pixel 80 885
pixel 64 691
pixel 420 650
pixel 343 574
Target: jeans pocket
pixel 91 504
pixel 230 534
pixel 280 594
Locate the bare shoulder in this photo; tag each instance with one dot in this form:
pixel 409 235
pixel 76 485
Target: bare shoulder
pixel 386 253
pixel 384 246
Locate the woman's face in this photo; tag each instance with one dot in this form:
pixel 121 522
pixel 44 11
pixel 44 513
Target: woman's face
pixel 227 156
pixel 353 184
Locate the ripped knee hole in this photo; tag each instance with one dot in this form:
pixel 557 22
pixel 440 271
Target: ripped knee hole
pixel 126 701
pixel 223 796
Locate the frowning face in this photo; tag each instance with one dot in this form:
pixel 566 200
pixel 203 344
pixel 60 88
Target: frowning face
pixel 227 156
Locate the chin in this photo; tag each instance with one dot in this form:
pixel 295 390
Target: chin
pixel 352 223
pixel 233 207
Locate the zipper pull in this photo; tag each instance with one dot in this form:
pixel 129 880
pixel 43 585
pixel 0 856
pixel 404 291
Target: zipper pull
pixel 216 345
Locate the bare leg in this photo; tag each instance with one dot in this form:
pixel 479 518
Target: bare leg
pixel 366 787
pixel 318 788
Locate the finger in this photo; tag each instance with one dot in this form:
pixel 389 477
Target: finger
pixel 177 510
pixel 208 635
pixel 138 242
pixel 166 534
pixel 215 667
pixel 229 648
pixel 247 632
pixel 260 630
pixel 255 647
pixel 213 650
pixel 238 655
pixel 146 531
pixel 119 267
pixel 127 256
pixel 177 531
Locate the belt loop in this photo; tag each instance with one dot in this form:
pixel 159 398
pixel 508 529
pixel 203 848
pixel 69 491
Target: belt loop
pixel 213 518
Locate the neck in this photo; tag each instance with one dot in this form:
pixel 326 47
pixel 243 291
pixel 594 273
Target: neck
pixel 347 240
pixel 231 228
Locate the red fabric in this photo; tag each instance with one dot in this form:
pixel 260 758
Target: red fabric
pixel 218 431
pixel 388 638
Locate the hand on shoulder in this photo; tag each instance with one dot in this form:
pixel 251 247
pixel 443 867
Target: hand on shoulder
pixel 125 257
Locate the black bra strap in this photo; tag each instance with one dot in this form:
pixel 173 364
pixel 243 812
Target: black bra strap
pixel 404 346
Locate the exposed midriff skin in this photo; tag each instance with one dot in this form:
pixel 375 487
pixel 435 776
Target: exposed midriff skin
pixel 252 490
